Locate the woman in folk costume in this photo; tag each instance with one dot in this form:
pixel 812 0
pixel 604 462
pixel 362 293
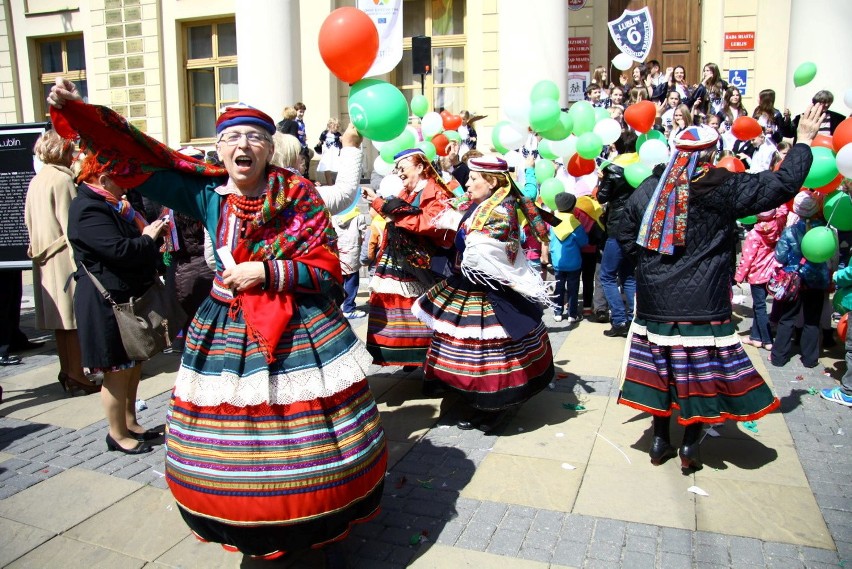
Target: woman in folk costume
pixel 274 443
pixel 420 223
pixel 683 351
pixel 490 345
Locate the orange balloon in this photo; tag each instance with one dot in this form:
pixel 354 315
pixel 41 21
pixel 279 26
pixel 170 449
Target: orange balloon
pixel 746 128
pixel 823 140
pixel 842 325
pixel 579 166
pixel 640 116
pixel 731 164
pixel 842 134
pixel 831 186
pixel 440 141
pixel 452 122
pixel 348 43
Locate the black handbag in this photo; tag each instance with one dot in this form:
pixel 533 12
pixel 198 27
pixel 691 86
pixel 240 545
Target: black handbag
pixel 147 324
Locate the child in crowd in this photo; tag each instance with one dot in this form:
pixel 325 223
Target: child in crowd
pixel 350 227
pixel 756 266
pixel 593 95
pixel 564 256
pixel 764 151
pixel 842 393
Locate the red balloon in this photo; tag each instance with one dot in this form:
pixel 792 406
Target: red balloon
pixel 842 135
pixel 831 186
pixel 731 164
pixel 348 43
pixel 641 116
pixel 823 140
pixel 746 128
pixel 579 166
pixel 452 122
pixel 842 325
pixel 440 141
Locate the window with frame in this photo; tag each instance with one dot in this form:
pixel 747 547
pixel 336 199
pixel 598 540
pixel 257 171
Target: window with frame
pixel 211 74
pixel 61 57
pixel 444 21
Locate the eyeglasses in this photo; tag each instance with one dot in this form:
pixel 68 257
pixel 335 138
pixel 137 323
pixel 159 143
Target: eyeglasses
pixel 401 166
pixel 253 138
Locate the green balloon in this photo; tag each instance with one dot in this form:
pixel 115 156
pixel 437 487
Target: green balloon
pixel 544 114
pixel 495 137
pixel 838 210
pixel 377 109
pixel 419 105
pixel 549 190
pixel 636 173
pixel 429 149
pixel 748 220
pixel 544 170
pixel 452 135
pixel 819 245
pixel 393 147
pixel 583 115
pixel 589 145
pixel 804 73
pixel 544 90
pixel 561 129
pixel 601 114
pixel 823 168
pixel 545 151
pixel 650 135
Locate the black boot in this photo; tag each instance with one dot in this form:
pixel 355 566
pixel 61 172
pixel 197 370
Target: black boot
pixel 661 447
pixel 690 457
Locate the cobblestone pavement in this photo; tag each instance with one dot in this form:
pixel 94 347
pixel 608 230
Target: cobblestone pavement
pixel 423 506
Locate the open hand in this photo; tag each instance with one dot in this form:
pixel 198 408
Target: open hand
pixel 809 123
pixel 62 91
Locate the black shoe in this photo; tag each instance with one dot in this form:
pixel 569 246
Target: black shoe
pixel 146 436
pixel 601 317
pixel 10 361
pixel 140 448
pixel 433 388
pixel 690 458
pixel 492 420
pixel 408 369
pixel 24 346
pixel 661 451
pixel 617 331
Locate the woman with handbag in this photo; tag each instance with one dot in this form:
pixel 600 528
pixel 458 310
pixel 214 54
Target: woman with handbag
pixel 815 280
pixel 274 442
pixel 113 244
pixel 48 200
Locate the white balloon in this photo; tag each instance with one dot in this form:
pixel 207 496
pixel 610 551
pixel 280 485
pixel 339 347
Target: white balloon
pixel 622 62
pixel 431 125
pixel 390 186
pixel 517 109
pixel 570 147
pixel 381 167
pixel 377 145
pixel 589 180
pixel 844 160
pixel 608 129
pixel 510 137
pixel 417 136
pixel 514 159
pixel 654 152
pixel 847 97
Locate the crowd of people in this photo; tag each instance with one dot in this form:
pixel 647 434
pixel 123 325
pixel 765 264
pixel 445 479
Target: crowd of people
pixel 465 260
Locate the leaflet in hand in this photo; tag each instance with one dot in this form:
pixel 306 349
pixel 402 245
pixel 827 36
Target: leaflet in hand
pixel 226 257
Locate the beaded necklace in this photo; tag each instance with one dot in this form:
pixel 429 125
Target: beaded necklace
pixel 245 207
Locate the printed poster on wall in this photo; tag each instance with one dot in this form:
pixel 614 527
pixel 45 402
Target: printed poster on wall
pixel 17 168
pixel 577 83
pixel 633 33
pixel 387 15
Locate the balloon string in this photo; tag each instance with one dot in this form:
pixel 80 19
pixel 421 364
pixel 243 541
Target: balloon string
pixel 834 209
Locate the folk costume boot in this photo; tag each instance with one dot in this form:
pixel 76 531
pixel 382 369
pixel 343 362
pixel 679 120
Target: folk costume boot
pixel 690 457
pixel 661 446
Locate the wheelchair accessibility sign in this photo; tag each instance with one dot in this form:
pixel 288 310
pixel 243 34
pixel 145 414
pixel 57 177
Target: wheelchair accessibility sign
pixel 738 78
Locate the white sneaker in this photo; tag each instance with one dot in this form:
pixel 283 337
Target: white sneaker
pixel 558 317
pixel 572 320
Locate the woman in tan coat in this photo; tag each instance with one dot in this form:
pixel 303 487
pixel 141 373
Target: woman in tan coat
pixel 48 198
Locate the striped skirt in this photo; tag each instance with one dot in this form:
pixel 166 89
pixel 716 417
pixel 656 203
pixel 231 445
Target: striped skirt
pixel 394 336
pixel 270 458
pixel 472 354
pixel 699 368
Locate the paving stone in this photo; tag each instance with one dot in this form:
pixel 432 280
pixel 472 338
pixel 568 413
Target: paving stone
pixel 476 537
pixel 516 524
pixel 641 544
pixel 744 550
pixel 638 560
pixel 399 536
pixel 377 550
pixel 569 553
pixel 23 481
pixel 489 513
pixel 131 470
pixel 605 550
pixel 577 528
pixel 814 554
pixel 534 554
pixel 611 531
pixel 784 563
pixel 98 461
pixel 401 556
pixel 14 464
pixel 65 461
pixel 548 521
pixel 674 540
pixel 669 560
pixel 450 533
pixel 643 530
pixel 505 542
pixel 707 553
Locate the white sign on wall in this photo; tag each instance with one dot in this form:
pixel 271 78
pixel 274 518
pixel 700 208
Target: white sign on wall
pixel 387 15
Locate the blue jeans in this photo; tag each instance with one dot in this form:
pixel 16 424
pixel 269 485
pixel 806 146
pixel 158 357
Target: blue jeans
pixel 350 287
pixel 567 291
pixel 760 330
pixel 615 269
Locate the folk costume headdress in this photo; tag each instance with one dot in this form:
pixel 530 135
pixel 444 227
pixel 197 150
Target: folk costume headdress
pixel 292 225
pixel 664 223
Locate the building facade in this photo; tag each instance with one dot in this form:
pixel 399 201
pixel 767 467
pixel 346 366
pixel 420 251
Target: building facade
pixel 169 65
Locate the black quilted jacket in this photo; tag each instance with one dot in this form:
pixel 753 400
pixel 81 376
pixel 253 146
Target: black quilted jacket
pixel 694 284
